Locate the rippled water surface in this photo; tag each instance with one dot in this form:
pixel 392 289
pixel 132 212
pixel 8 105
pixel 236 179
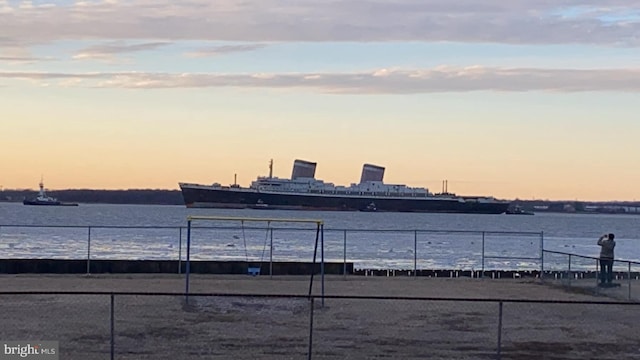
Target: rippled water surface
pixel 370 240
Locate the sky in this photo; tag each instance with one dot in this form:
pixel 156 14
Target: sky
pixel 535 99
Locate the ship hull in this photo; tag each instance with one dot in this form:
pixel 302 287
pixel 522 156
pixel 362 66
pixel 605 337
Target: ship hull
pixel 200 196
pixel 47 203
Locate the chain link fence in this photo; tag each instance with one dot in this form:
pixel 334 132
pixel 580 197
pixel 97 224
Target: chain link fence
pixel 366 249
pixel 228 326
pixel 581 274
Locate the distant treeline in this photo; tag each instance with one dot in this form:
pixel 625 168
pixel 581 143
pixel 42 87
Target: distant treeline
pixel 608 207
pixel 174 197
pixel 132 196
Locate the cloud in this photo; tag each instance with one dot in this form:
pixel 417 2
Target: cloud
pixel 21 59
pixel 385 81
pixel 223 50
pixel 107 51
pixel 18 55
pixel 603 22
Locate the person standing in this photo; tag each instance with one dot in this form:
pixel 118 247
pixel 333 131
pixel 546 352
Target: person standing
pixel 607 244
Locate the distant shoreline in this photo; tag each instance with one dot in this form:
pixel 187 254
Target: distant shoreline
pixel 174 197
pixel 87 196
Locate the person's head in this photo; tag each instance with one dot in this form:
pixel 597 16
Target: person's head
pixel 611 236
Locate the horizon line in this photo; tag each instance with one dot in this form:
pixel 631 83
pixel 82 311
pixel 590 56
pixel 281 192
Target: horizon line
pixel 165 189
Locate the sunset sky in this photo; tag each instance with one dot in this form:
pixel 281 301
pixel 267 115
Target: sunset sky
pixel 536 99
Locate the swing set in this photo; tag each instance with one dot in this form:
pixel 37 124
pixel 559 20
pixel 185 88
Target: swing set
pixel 253 268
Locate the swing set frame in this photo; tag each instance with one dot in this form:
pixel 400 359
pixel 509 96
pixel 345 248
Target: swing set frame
pixel 319 240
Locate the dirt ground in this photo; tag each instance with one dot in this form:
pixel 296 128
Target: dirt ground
pixel 455 324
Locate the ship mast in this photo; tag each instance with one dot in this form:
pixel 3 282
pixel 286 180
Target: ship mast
pixel 271 169
pixel 41 185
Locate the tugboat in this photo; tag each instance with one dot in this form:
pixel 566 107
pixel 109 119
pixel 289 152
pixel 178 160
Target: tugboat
pixel 370 208
pixel 260 205
pixel 517 210
pixel 43 199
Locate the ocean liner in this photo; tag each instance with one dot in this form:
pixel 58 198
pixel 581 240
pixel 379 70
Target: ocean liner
pixel 304 192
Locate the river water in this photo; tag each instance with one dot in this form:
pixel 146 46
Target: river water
pixel 370 240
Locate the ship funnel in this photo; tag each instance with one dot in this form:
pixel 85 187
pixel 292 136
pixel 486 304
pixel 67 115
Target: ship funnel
pixel 372 173
pixel 303 169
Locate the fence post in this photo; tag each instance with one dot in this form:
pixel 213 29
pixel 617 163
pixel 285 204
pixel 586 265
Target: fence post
pixel 569 272
pixel 415 254
pixel 89 250
pixel 499 353
pixel 180 250
pixel 112 327
pixel 629 279
pixel 482 272
pixel 542 256
pixel 322 260
pixel 597 272
pixel 310 351
pixel 188 266
pixel 344 255
pixel 271 253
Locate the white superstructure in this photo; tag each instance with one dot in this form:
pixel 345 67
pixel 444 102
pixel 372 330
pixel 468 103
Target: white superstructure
pixel 308 184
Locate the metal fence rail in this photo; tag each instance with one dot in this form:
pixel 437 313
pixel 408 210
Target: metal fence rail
pixel 133 325
pixel 408 250
pixel 411 250
pixel 582 272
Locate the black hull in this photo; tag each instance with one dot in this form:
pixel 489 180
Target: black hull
pixel 511 212
pixel 43 203
pixel 206 197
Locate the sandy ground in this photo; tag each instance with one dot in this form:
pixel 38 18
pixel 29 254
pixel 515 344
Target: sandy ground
pixel 241 327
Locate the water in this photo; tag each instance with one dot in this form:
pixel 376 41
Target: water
pixel 373 240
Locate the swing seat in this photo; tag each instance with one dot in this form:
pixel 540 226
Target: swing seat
pixel 253 271
pixel 252 268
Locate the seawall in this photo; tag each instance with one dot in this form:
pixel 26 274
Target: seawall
pixel 60 266
pixel 66 266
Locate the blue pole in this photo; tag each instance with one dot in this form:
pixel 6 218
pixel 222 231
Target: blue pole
pixel 315 253
pixel 188 266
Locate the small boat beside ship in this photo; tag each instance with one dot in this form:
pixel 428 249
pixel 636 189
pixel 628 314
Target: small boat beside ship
pixel 44 200
pixel 304 192
pixel 260 205
pixel 517 210
pixel 370 208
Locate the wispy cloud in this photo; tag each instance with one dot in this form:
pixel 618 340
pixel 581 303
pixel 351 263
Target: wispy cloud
pixel 223 50
pixel 21 59
pixel 605 22
pixel 107 51
pixel 382 81
pixel 18 55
